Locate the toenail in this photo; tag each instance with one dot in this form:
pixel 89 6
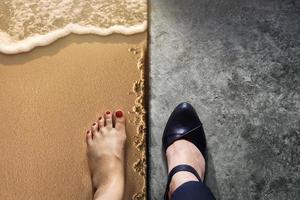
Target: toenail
pixel 94 124
pixel 100 118
pixel 88 131
pixel 119 114
pixel 107 112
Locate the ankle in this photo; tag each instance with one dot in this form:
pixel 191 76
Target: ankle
pixel 180 178
pixel 114 189
pixel 184 152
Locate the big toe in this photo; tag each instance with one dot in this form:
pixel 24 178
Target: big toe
pixel 119 120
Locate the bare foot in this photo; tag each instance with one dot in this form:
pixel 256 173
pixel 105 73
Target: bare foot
pixel 105 149
pixel 184 152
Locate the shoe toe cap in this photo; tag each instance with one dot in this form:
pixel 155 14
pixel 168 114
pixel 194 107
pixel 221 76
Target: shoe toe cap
pixel 183 119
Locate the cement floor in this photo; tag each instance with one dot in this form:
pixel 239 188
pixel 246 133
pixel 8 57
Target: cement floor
pixel 238 63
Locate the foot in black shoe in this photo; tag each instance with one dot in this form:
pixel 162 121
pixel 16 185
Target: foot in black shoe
pixel 185 146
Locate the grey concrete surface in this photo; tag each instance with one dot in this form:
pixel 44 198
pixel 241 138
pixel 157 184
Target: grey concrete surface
pixel 238 63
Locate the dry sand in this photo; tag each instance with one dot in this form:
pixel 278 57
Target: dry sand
pixel 49 98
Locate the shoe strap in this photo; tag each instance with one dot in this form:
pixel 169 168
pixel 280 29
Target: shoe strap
pixel 176 169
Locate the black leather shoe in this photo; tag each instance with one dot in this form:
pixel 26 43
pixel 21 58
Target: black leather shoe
pixel 184 123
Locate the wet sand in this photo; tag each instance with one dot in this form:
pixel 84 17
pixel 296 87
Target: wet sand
pixel 49 98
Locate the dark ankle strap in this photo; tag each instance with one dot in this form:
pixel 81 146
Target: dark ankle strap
pixel 176 169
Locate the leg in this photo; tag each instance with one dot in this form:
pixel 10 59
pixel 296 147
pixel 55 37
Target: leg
pixel 185 185
pixel 105 150
pixel 192 190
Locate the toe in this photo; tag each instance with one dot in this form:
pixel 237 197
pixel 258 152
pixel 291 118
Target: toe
pixel 95 127
pixel 89 138
pixel 101 122
pixel 120 120
pixel 108 119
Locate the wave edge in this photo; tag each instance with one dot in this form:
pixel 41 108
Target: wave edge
pixel 9 46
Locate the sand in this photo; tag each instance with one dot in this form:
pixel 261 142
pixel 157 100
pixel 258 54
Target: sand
pixel 50 96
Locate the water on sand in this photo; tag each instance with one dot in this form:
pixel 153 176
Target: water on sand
pixel 25 24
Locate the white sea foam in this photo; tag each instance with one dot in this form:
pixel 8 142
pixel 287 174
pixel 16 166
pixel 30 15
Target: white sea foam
pixel 9 46
pixel 25 24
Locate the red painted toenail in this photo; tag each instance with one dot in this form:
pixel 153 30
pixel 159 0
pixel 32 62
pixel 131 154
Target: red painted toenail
pixel 94 124
pixel 88 131
pixel 100 118
pixel 119 114
pixel 107 112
